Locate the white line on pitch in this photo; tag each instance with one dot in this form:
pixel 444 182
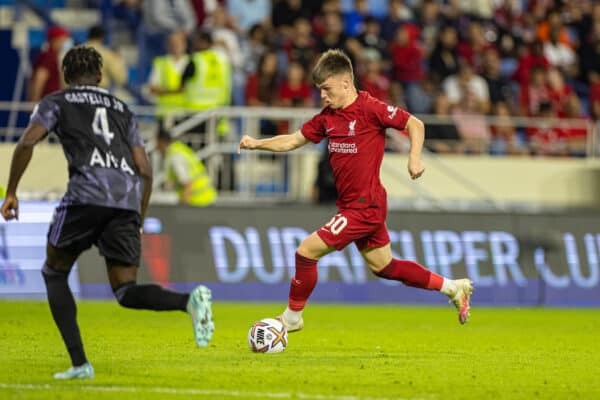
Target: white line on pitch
pixel 195 392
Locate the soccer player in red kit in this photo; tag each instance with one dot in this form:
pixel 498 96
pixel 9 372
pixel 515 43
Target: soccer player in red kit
pixel 355 123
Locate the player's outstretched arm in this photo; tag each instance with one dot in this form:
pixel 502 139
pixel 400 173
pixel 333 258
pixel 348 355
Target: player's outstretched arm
pixel 416 134
pixel 20 160
pixel 279 143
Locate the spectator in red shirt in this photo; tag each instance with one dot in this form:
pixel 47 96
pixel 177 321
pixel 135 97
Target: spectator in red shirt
pixel 47 76
pixel 260 86
pixel 474 47
pixel 407 57
pixel 547 137
pixel 373 80
pixel 294 91
pixel 559 92
pixel 408 68
pixel 535 93
pixel 531 57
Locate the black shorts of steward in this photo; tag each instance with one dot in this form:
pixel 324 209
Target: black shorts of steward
pixel 116 232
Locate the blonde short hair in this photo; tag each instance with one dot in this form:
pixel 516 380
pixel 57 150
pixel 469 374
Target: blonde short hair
pixel 332 62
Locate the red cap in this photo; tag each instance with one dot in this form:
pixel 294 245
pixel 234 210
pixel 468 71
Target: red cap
pixel 56 32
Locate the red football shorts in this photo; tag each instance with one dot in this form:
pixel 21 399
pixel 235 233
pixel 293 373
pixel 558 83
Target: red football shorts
pixel 365 227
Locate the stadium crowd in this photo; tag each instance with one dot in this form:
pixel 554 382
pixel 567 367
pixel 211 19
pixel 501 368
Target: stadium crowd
pixel 449 58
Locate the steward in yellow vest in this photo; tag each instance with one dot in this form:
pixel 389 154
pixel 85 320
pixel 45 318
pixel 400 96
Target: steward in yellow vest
pixel 186 172
pixel 207 78
pixel 167 73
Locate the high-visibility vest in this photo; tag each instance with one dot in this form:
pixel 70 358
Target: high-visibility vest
pixel 2 192
pixel 203 193
pixel 210 87
pixel 169 78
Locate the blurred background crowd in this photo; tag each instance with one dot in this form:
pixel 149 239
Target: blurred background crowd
pixel 447 58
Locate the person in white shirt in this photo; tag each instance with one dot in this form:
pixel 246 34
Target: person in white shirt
pixel 455 87
pixel 559 54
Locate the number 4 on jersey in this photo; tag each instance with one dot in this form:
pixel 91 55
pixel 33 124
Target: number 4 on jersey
pixel 100 125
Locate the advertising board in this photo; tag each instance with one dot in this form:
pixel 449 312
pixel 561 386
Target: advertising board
pixel 23 252
pixel 248 254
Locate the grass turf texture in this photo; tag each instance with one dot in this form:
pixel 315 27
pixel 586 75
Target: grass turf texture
pixel 378 352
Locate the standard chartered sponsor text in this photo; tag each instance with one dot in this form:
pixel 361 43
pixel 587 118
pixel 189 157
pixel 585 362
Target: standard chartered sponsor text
pixel 337 147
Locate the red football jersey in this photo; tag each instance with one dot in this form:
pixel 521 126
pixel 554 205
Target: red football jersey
pixel 356 145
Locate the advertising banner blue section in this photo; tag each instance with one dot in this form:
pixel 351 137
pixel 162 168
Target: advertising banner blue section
pixel 248 254
pixel 23 252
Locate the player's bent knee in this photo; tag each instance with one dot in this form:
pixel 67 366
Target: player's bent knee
pixel 304 252
pixel 124 296
pixel 376 269
pixel 50 273
pixel 59 259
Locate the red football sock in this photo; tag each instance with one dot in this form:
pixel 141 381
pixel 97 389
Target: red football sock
pixel 303 282
pixel 411 274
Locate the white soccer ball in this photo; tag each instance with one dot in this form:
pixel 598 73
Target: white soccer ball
pixel 267 336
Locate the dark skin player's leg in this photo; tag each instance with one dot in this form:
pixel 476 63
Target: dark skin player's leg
pixel 119 274
pixel 59 259
pixel 62 304
pixel 123 280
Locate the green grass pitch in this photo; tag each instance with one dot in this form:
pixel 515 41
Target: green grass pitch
pixel 344 353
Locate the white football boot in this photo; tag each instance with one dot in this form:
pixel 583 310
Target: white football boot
pixel 85 371
pixel 199 308
pixel 461 298
pixel 291 327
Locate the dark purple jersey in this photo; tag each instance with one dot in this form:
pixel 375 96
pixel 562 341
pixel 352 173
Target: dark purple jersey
pixel 97 132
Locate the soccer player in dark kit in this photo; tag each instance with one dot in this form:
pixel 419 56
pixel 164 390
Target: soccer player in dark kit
pixel 355 124
pixel 110 180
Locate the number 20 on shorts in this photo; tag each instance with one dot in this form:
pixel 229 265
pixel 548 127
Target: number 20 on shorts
pixel 337 224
